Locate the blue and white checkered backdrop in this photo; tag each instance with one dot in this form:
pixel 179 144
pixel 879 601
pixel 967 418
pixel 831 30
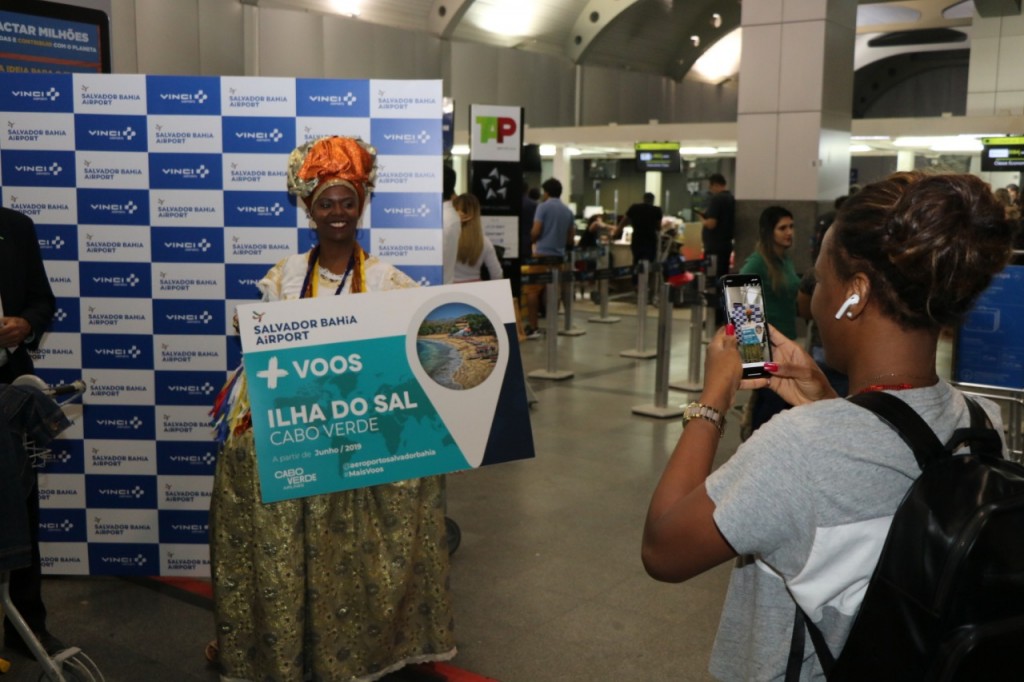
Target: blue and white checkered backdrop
pixel 159 202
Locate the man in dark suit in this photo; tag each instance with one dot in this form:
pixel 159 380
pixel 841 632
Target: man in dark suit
pixel 28 306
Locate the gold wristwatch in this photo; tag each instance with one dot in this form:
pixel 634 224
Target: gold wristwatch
pixel 702 411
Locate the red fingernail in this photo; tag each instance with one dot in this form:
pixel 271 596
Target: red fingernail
pixel 771 367
pixel 730 330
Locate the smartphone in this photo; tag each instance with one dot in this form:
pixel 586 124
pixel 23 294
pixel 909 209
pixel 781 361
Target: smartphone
pixel 743 299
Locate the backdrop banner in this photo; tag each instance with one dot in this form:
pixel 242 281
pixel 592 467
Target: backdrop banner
pixel 159 202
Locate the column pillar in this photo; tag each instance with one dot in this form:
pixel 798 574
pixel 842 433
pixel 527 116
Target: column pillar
pixel 794 114
pixel 905 160
pixel 995 81
pixel 653 184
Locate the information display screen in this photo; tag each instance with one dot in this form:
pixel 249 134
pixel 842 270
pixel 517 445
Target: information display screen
pixel 658 156
pixel 49 37
pixel 1002 153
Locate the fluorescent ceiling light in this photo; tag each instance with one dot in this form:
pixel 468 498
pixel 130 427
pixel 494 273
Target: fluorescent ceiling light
pixel 911 141
pixel 512 18
pixel 547 150
pixel 721 61
pixel 870 137
pixel 727 150
pixel 349 8
pixel 856 148
pixel 572 151
pixel 958 144
pixel 697 151
pixel 460 149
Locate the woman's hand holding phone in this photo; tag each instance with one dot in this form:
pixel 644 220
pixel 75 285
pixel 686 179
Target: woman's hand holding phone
pixel 795 376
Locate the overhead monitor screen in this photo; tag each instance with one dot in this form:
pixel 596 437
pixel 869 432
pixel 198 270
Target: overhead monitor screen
pixel 49 37
pixel 1002 153
pixel 658 156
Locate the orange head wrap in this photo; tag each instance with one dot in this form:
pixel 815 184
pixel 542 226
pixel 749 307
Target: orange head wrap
pixel 328 161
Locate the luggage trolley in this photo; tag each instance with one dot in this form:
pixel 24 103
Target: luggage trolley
pixel 70 664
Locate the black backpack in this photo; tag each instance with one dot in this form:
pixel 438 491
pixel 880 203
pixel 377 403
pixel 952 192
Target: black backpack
pixel 946 600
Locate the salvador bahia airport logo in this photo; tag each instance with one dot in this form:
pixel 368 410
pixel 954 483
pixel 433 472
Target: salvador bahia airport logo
pixel 32 132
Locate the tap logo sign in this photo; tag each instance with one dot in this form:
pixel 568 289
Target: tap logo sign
pixel 497 133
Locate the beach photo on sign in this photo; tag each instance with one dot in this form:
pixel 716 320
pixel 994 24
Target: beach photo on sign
pixel 457 346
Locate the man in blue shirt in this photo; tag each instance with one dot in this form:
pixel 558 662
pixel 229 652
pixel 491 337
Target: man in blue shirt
pixel 553 230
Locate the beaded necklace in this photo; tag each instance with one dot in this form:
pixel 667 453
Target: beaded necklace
pixel 355 264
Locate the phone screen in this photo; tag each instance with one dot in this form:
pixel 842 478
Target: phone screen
pixel 743 298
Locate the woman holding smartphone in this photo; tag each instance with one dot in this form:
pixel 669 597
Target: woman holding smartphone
pixel 810 496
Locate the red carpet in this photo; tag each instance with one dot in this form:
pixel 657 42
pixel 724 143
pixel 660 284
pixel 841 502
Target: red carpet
pixel 203 588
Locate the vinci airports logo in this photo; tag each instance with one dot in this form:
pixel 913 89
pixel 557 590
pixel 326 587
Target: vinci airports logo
pixel 120 422
pixel 407 137
pixel 58 242
pixel 323 97
pixel 188 245
pixel 406 209
pixel 177 95
pixel 32 92
pixel 99 132
pixel 117 351
pixel 124 558
pixel 113 207
pixel 115 280
pixel 258 134
pixel 185 171
pixel 258 209
pixel 38 168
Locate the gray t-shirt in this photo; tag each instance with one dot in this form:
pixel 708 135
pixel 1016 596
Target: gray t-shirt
pixel 811 496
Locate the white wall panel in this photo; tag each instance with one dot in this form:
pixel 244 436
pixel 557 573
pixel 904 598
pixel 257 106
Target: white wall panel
pixel 382 52
pixel 221 38
pixel 168 36
pixel 291 44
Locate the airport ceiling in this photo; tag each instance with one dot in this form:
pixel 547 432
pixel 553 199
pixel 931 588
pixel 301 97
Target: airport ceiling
pixel 664 37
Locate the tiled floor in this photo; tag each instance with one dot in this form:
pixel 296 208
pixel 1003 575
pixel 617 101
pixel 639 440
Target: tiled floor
pixel 548 582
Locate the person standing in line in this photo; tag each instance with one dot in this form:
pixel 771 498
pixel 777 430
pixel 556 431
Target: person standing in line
pixel 771 262
pixel 645 218
pixel 27 306
pixel 475 250
pixel 351 585
pixel 451 226
pixel 719 225
pixel 553 231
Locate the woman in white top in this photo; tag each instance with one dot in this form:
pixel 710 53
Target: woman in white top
pixel 475 249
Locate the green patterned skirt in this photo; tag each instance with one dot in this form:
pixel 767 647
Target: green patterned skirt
pixel 346 586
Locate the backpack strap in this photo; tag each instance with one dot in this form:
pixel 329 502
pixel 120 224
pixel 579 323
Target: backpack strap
pixel 902 419
pixel 983 438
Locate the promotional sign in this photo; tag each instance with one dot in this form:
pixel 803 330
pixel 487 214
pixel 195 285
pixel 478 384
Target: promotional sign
pixel 496 171
pixel 391 386
pixel 159 203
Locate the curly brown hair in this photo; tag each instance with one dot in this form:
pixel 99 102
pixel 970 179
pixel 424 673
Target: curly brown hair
pixel 929 244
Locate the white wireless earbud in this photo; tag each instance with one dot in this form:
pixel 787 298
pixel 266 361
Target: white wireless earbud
pixel 852 301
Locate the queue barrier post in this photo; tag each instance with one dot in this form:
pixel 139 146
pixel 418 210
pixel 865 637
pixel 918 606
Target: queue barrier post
pixel 641 352
pixel 552 371
pixel 603 277
pixel 661 409
pixel 569 295
pixel 698 311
